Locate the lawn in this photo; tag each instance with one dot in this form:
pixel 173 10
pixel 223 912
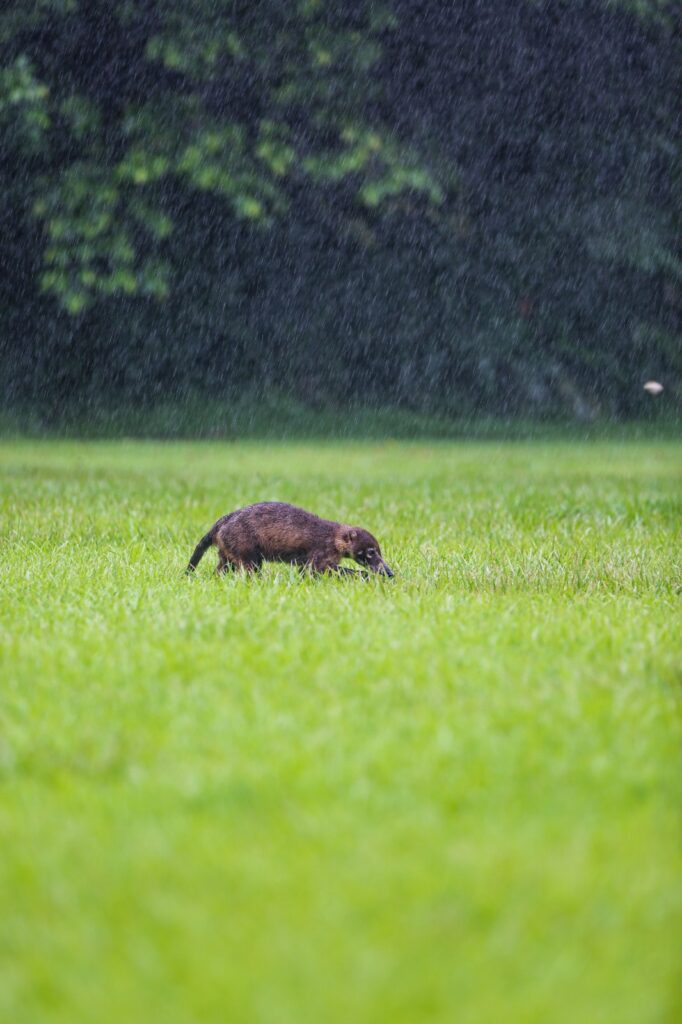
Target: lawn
pixel 451 796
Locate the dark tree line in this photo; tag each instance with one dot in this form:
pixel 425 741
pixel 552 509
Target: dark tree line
pixel 460 207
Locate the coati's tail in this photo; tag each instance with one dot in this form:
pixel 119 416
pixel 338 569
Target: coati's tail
pixel 201 548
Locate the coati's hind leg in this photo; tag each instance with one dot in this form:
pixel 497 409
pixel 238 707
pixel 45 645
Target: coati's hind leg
pixel 247 567
pixel 250 562
pixel 237 565
pixel 223 565
pixel 244 562
pixel 226 559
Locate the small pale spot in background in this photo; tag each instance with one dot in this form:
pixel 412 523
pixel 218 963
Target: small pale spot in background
pixel 653 387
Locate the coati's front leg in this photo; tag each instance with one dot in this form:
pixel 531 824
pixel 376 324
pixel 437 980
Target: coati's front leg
pixel 321 562
pixel 318 562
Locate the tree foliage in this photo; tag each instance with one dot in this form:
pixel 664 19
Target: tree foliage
pixel 471 205
pixel 236 99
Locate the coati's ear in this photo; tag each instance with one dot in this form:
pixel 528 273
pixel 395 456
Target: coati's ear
pixel 346 538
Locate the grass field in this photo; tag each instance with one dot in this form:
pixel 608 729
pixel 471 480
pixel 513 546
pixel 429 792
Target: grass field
pixel 452 796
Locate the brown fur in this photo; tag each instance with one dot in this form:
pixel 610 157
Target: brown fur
pixel 273 531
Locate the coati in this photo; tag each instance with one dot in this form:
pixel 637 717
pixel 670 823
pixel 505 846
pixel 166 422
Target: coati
pixel 273 531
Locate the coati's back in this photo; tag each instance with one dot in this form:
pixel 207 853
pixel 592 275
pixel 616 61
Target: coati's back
pixel 278 528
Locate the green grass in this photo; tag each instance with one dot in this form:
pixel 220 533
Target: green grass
pixel 453 796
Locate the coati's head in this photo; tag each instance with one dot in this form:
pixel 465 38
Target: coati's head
pixel 364 549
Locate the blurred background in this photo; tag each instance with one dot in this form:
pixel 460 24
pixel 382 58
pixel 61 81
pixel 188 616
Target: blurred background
pixel 240 208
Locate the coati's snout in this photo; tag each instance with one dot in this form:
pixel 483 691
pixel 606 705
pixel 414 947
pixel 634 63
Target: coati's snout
pixel 375 562
pixel 364 549
pixel 381 567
